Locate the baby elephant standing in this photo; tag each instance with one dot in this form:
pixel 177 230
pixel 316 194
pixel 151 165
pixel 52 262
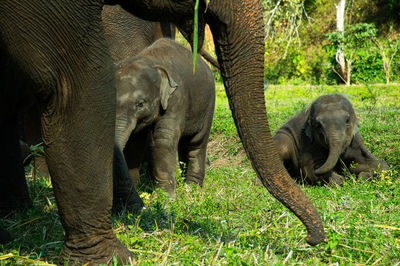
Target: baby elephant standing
pixel 324 140
pixel 159 97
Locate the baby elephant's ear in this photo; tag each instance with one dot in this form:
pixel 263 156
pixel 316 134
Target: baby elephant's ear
pixel 307 126
pixel 356 126
pixel 307 131
pixel 167 86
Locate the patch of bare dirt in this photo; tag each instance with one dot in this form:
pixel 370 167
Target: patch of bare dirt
pixel 217 149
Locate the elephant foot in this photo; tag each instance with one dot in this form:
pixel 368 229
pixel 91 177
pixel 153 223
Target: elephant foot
pixel 5 237
pixel 168 189
pixel 130 202
pixel 194 180
pixel 336 179
pixel 126 198
pixel 95 251
pixel 365 176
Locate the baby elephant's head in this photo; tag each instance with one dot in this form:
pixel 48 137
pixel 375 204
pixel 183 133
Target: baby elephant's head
pixel 142 95
pixel 331 124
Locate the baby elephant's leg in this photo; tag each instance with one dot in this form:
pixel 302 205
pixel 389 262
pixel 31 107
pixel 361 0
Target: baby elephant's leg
pixel 134 152
pixel 164 155
pixel 308 175
pixel 335 179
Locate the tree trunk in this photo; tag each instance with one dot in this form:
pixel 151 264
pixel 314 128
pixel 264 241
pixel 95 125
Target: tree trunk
pixel 340 56
pixel 348 71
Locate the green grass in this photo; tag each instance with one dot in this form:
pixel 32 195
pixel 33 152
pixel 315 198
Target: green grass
pixel 231 221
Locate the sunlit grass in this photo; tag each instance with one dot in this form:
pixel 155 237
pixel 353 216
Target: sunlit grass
pixel 231 221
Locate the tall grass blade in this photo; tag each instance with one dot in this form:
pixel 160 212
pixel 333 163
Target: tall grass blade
pixel 195 34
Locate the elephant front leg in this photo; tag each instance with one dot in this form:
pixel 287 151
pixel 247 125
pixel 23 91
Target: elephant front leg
pixel 135 152
pixel 79 152
pixel 311 161
pixel 164 160
pixel 361 162
pixel 13 188
pixel 335 179
pixel 330 178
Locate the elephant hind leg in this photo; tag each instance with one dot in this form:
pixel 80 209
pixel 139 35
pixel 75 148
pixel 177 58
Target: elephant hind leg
pixel 195 158
pixel 79 144
pixel 125 196
pixel 13 188
pixel 5 237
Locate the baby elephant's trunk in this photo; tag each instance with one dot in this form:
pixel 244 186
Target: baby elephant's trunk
pixel 123 131
pixel 335 149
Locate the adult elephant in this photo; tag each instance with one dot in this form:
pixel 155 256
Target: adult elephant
pixel 55 53
pixel 122 29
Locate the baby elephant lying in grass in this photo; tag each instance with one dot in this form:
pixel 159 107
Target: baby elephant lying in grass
pixel 322 142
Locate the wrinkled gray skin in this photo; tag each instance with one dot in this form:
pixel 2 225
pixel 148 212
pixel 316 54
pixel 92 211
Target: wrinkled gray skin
pixel 315 143
pixel 121 29
pixel 157 92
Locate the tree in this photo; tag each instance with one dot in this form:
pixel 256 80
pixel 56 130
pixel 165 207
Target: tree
pixel 387 49
pixel 282 21
pixel 350 41
pixel 344 66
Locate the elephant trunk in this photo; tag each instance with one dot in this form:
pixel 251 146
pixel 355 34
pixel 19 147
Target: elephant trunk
pixel 335 149
pixel 122 133
pixel 238 32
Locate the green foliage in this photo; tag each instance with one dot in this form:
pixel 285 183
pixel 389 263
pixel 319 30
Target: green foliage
pixel 388 49
pixel 364 51
pixel 309 51
pixel 291 67
pixel 367 67
pixel 353 38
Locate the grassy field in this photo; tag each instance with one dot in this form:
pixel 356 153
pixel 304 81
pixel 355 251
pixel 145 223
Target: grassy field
pixel 231 221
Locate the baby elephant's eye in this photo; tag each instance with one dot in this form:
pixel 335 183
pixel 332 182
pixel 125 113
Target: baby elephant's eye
pixel 140 104
pixel 347 121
